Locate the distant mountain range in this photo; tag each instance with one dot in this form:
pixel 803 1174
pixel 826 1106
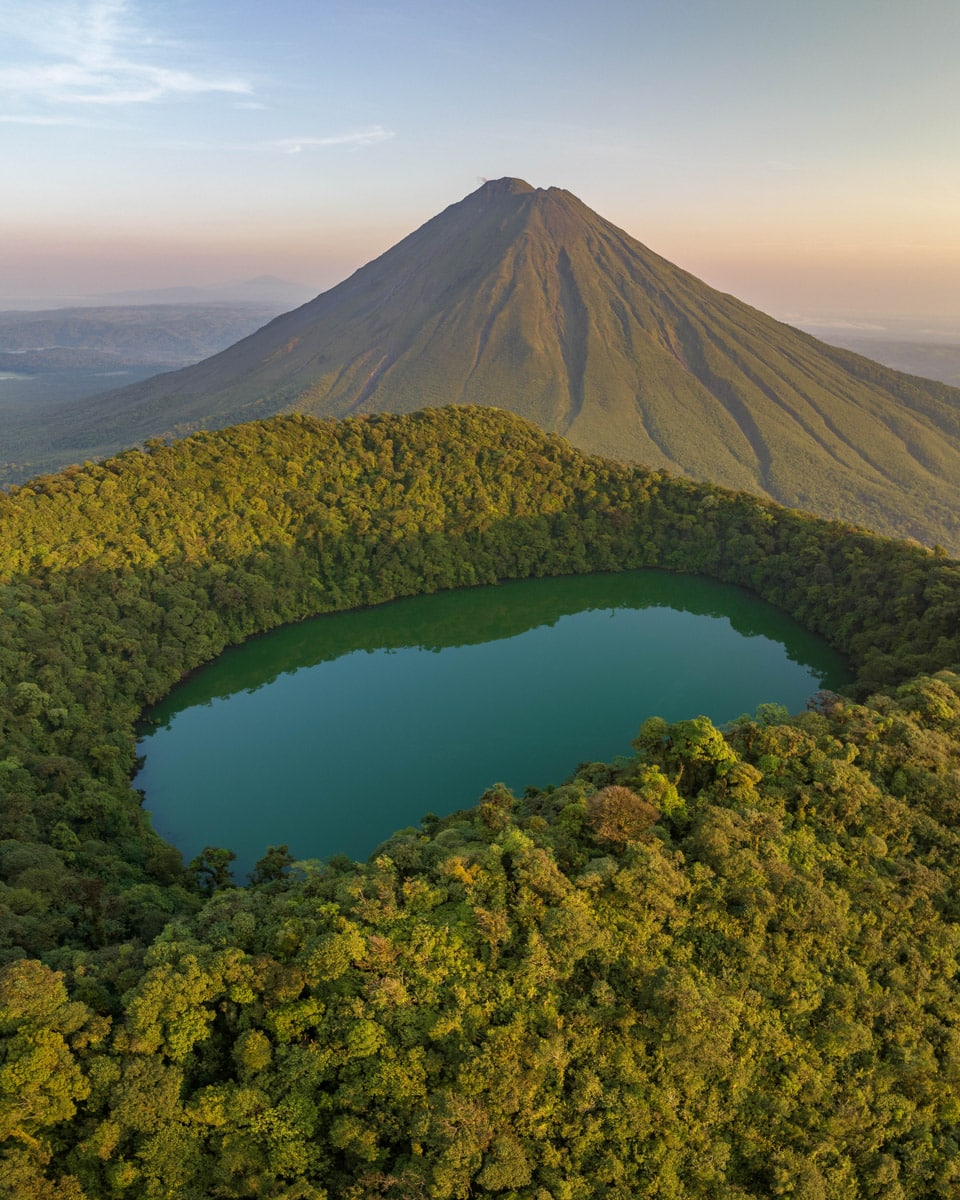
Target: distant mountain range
pixel 263 290
pixel 170 334
pixel 268 290
pixel 525 299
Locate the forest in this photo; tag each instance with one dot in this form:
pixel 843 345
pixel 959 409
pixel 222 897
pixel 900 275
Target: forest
pixel 724 966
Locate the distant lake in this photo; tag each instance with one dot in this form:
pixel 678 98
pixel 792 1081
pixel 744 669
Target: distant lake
pixel 334 733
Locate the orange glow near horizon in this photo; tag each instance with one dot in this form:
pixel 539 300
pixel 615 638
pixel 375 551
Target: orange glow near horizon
pixel 816 271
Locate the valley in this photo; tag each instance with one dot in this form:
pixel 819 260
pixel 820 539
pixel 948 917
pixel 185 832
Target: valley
pixel 53 360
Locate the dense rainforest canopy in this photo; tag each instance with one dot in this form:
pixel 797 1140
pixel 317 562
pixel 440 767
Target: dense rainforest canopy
pixel 722 967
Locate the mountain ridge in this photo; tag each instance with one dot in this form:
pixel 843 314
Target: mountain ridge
pixel 524 298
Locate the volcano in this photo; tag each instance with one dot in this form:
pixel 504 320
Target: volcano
pixel 525 299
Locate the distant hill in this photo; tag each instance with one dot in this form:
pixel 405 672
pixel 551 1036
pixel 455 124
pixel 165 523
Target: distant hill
pixel 269 290
pixel 266 290
pixel 52 358
pixel 525 299
pixel 174 333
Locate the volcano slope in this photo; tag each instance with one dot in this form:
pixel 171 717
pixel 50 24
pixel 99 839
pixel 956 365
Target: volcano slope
pixel 525 299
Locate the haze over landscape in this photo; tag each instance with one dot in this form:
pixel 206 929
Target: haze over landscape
pixel 805 158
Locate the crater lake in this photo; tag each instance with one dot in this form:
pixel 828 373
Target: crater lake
pixel 332 734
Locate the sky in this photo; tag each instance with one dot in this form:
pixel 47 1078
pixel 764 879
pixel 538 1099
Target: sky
pixel 801 154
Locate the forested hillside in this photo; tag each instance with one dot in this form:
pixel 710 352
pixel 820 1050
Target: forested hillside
pixel 722 967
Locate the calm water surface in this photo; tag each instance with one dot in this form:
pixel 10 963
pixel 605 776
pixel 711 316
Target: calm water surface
pixel 332 734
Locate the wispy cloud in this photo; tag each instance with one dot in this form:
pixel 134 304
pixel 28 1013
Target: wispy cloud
pixel 56 53
pixel 353 140
pixel 360 137
pixel 14 119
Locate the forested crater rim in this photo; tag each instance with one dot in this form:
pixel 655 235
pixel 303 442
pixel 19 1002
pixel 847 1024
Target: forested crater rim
pixel 444 1019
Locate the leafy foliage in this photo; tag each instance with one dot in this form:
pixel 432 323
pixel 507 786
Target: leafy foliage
pixel 723 966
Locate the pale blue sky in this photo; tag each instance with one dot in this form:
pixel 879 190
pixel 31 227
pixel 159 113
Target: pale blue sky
pixel 803 154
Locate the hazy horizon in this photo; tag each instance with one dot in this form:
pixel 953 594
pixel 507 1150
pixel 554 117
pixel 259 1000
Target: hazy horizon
pixel 805 159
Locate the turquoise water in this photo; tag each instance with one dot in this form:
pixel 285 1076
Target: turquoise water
pixel 332 734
